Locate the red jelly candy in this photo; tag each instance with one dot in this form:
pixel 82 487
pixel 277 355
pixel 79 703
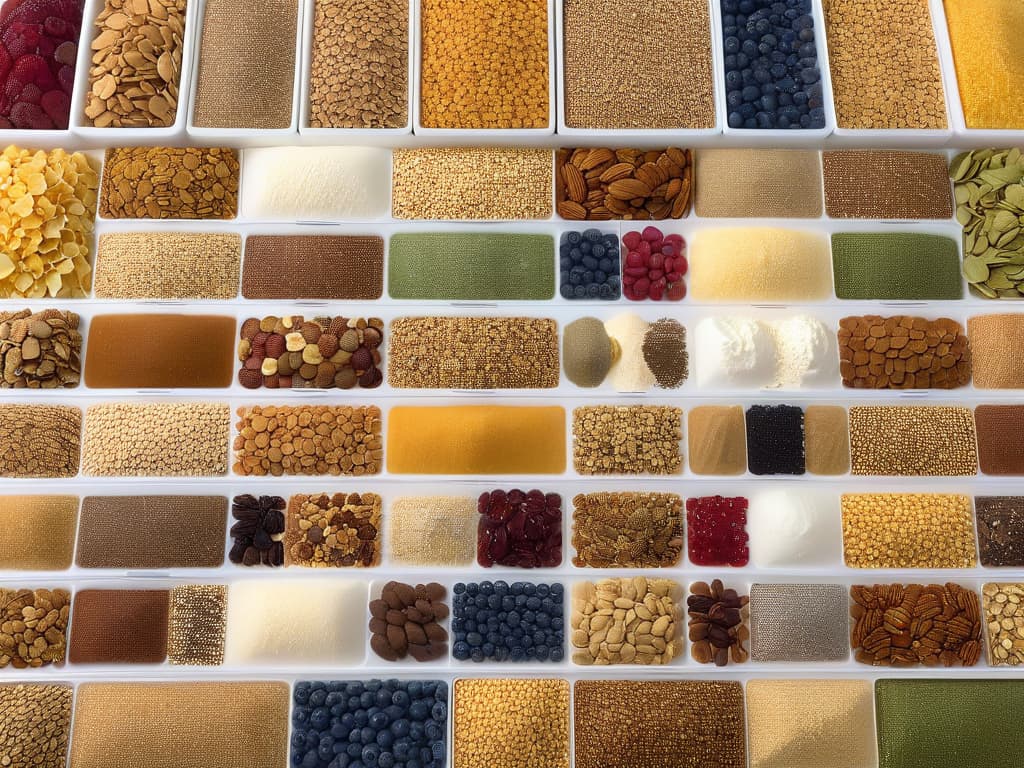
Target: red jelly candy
pixel 717 531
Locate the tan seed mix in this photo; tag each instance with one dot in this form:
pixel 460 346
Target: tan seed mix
pixel 627 440
pixel 1004 617
pixel 627 529
pixel 156 440
pixel 135 69
pixel 331 267
pixel 511 723
pixel 359 64
pixel 170 183
pixel 884 65
pixel 33 627
pixel 167 265
pixel 432 530
pixel 39 440
pixel 886 184
pixel 907 530
pixel 906 625
pixel 758 183
pixel 922 440
pixel 471 183
pixel 35 723
pixel 308 440
pixel 473 353
pixel 632 184
pixel 197 624
pixel 630 620
pixel 40 350
pixel 638 65
pixel 339 530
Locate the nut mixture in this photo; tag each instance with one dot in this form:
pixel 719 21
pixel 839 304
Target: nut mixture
pixel 474 353
pixel 922 440
pixel 197 624
pixel 308 440
pixel 632 184
pixel 39 440
pixel 135 68
pixel 627 529
pixel 631 620
pixel 718 623
pixel 359 64
pixel 627 440
pixel 404 621
pixel 47 213
pixel 1000 530
pixel 258 533
pixel 170 183
pixel 35 723
pixel 903 352
pixel 40 350
pixel 291 352
pixel 1004 617
pixel 33 627
pixel 897 625
pixel 340 530
pixel 907 530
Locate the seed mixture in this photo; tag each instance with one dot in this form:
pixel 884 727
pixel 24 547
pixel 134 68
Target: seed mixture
pixel 335 267
pixel 907 530
pixel 588 263
pixel 497 621
pixel 432 530
pixel 885 184
pixel 308 440
pixel 333 531
pixel 718 623
pixel 519 529
pixel 35 724
pixel 775 440
pixel 40 350
pixel 826 440
pixel 170 183
pixel 473 353
pixel 717 440
pixel 627 440
pixel 471 183
pixel 617 79
pixel 899 266
pixel 716 528
pixel 903 352
pixel 484 64
pixel 1000 439
pixel 167 265
pixel 39 440
pixel 508 723
pixel 758 183
pixel 39 532
pixel 197 624
pixel 627 529
pixel 291 352
pixel 359 64
pixel 1004 620
pixel 798 622
pixel 601 183
pixel 1000 530
pixel 156 440
pixel 119 626
pixel 885 67
pixel 995 366
pixel 257 536
pixel 33 627
pixel 630 620
pixel 917 440
pixel 989 193
pixel 135 69
pixel 48 210
pixel 904 625
pixel 634 723
pixel 404 621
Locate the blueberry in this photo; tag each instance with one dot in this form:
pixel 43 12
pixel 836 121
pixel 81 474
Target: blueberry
pixel 385 760
pixel 370 754
pixel 742 60
pixel 573 237
pixel 460 650
pixel 750 93
pixel 586 246
pixel 731 45
pixel 733 99
pixel 311 759
pixel 735 120
pixel 810 75
pixel 400 727
pixel 458 588
pixel 733 79
pixel 805 35
pixel 600 277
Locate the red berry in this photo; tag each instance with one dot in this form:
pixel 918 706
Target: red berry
pixel 656 274
pixel 668 265
pixel 656 261
pixel 676 240
pixel 642 286
pixel 631 240
pixel 668 250
pixel 634 259
pixel 676 291
pixel 644 250
pixel 652 234
pixel 628 279
pixel 657 289
pixel 681 265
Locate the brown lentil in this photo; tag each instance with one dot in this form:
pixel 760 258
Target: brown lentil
pixel 511 723
pixel 1000 530
pixel 40 350
pixel 718 623
pixel 484 64
pixel 629 620
pixel 197 624
pixel 359 64
pixel 432 530
pixel 904 625
pixel 35 723
pixel 907 530
pixel 633 184
pixel 627 439
pixel 471 183
pixel 33 627
pixel 921 440
pixel 39 440
pixel 473 353
pixel 156 440
pixel 308 440
pixel 404 621
pixel 169 183
pixel 1004 618
pixel 627 529
pixel 826 440
pixel 340 530
pixel 135 67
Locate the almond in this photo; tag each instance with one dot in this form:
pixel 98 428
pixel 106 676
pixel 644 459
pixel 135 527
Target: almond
pixel 616 206
pixel 673 188
pixel 616 172
pixel 627 189
pixel 666 164
pixel 573 211
pixel 578 156
pixel 575 186
pixel 601 214
pixel 678 156
pixel 627 155
pixel 651 174
pixel 682 202
pixel 595 157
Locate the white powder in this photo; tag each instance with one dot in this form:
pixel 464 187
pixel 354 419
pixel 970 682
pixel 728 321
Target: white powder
pixel 734 352
pixel 808 354
pixel 793 529
pixel 630 372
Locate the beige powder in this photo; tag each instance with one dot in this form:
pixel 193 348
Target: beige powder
pixel 826 440
pixel 717 440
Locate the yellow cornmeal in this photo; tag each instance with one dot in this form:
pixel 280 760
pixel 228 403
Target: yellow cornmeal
pixel 986 36
pixel 38 532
